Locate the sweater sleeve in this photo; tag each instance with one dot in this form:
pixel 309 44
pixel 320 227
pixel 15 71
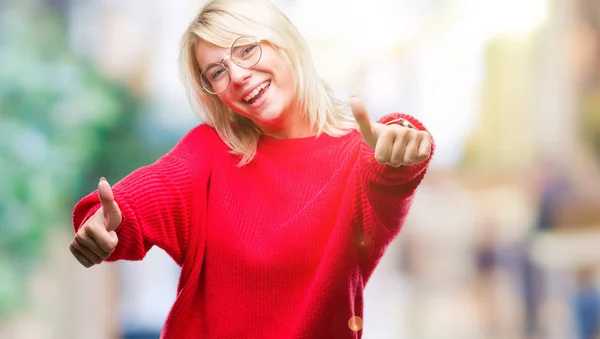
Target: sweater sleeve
pixel 386 193
pixel 159 202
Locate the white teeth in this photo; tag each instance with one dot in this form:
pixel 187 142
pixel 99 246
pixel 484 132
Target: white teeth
pixel 256 91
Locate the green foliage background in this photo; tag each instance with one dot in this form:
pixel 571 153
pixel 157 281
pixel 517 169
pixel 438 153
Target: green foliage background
pixel 62 126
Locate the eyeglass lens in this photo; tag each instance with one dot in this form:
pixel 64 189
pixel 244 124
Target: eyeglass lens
pixel 245 52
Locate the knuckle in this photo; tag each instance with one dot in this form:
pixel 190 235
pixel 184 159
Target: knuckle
pixel 424 155
pixel 395 160
pixel 389 132
pixel 403 130
pixel 414 134
pixel 92 258
pixel 83 262
pixel 397 131
pixel 82 244
pixel 77 243
pixel 95 258
pixel 90 228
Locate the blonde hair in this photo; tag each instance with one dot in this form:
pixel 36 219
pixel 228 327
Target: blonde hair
pixel 220 22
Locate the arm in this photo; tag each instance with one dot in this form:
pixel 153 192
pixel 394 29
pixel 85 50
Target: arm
pixel 388 189
pixel 160 202
pixel 392 162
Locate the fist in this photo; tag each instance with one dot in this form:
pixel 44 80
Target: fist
pixel 394 145
pixel 96 240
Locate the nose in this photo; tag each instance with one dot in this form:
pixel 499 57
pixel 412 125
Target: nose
pixel 238 74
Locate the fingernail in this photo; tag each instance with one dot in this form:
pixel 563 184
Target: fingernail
pixel 102 179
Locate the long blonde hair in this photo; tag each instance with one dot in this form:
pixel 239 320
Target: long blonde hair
pixel 220 22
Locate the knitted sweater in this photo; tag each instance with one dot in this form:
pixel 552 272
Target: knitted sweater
pixel 279 248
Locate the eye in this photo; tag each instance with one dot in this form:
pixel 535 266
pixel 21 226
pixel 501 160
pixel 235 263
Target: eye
pixel 217 73
pixel 248 51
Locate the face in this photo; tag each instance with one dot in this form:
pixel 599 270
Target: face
pixel 263 93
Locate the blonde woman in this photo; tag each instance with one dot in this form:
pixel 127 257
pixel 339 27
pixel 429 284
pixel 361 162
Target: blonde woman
pixel 279 206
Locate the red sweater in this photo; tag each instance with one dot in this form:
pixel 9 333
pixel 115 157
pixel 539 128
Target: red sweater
pixel 279 248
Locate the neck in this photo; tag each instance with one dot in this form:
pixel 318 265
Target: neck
pixel 289 125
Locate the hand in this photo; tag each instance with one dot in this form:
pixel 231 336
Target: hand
pixel 394 145
pixel 97 239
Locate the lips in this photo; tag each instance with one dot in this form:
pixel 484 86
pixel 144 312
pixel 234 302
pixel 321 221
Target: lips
pixel 252 96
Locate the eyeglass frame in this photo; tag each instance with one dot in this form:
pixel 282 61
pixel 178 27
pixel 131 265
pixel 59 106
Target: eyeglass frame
pixel 258 42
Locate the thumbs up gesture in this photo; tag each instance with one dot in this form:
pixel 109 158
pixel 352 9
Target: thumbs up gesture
pixel 394 145
pixel 96 239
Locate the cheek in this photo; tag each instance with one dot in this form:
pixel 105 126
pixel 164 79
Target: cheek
pixel 287 82
pixel 289 89
pixel 227 100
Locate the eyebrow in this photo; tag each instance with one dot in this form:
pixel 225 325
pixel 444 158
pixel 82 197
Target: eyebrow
pixel 202 67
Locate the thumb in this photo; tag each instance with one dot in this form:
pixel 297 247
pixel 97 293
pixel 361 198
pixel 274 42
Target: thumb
pixel 364 122
pixel 111 210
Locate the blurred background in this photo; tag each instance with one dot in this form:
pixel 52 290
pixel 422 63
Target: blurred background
pixel 503 240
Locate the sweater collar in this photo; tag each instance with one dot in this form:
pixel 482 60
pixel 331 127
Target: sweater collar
pixel 268 144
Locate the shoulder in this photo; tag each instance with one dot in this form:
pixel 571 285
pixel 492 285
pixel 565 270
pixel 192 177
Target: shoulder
pixel 199 145
pixel 203 137
pixel 201 134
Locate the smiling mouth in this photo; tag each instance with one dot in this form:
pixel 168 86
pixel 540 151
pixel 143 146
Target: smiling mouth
pixel 257 93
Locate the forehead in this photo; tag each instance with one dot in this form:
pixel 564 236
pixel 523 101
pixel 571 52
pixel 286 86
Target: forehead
pixel 207 52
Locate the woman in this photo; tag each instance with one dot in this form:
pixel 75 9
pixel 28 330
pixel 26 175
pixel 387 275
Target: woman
pixel 279 206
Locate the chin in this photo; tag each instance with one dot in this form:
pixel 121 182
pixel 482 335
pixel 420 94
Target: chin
pixel 273 117
pixel 270 113
pixel 269 122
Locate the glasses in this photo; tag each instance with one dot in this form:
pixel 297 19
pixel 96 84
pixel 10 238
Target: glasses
pixel 245 52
